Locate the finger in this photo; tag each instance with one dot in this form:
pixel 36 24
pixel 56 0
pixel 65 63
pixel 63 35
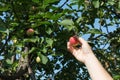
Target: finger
pixel 84 43
pixel 69 47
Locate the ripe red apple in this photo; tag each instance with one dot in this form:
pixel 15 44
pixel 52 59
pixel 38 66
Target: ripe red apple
pixel 30 32
pixel 38 59
pixel 74 41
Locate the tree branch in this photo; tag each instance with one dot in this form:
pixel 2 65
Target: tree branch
pixel 31 73
pixel 63 3
pixel 114 12
pixel 21 70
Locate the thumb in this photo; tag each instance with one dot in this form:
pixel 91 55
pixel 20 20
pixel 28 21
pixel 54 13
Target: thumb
pixel 82 41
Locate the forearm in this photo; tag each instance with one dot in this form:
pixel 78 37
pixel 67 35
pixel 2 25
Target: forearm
pixel 95 69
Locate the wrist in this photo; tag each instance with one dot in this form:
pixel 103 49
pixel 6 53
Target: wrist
pixel 89 58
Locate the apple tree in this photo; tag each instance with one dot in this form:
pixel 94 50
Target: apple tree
pixel 34 34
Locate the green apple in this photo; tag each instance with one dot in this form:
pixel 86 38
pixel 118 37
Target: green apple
pixel 38 59
pixel 15 41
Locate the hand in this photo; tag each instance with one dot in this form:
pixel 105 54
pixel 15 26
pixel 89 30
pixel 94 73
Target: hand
pixel 81 53
pixel 85 55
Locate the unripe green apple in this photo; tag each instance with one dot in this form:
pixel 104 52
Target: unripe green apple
pixel 33 7
pixel 14 41
pixel 38 59
pixel 30 32
pixel 74 41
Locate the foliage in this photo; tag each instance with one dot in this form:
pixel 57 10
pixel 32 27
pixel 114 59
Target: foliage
pixel 54 21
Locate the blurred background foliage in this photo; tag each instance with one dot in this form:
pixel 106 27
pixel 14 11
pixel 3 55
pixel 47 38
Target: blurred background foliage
pixel 54 21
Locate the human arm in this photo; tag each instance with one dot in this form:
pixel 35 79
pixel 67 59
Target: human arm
pixel 85 54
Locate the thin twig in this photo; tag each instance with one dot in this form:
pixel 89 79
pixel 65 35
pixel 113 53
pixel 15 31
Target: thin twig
pixel 63 3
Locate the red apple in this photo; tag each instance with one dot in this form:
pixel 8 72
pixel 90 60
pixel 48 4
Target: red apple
pixel 74 41
pixel 30 32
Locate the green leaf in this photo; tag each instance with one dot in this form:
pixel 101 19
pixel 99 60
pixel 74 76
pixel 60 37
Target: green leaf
pixel 9 61
pixel 4 7
pixel 56 16
pixel 116 77
pixel 31 50
pixel 31 40
pixel 42 40
pixel 36 1
pixel 94 31
pixel 96 3
pixel 44 50
pixel 48 15
pixel 49 42
pixel 49 31
pixel 44 22
pixel 14 24
pixel 44 58
pixel 3 29
pixel 78 20
pixel 119 5
pixel 67 22
pixel 50 1
pixel 15 65
pixel 80 2
pixel 70 28
pixel 118 9
pixel 111 2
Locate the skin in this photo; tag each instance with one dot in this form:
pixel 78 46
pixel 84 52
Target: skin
pixel 85 55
